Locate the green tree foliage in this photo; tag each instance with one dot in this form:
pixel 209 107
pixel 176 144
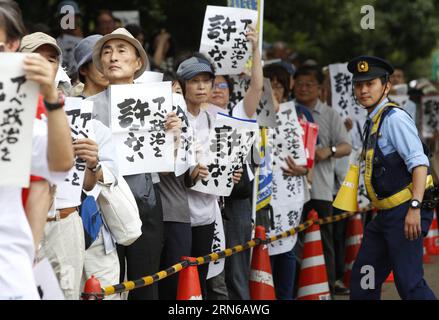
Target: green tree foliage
pixel 406 31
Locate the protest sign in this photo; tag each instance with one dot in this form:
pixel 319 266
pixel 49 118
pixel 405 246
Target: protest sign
pixel 224 37
pixel 218 244
pixel 343 99
pixel 79 115
pixel 288 140
pixel 265 114
pixel 229 145
pixel 430 115
pixel 138 117
pixel 186 148
pixel 18 103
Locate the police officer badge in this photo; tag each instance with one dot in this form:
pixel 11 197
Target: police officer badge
pixel 363 66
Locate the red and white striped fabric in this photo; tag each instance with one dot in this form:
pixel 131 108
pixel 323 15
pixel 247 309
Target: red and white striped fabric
pixel 432 238
pixel 313 279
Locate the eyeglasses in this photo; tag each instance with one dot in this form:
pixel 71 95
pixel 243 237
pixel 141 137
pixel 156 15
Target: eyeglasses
pixel 306 84
pixel 221 85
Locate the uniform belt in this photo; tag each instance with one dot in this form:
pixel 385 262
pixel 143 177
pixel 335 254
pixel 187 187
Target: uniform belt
pixel 62 214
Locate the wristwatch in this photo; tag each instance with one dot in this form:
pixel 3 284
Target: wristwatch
pixel 333 150
pixel 56 105
pixel 96 168
pixel 415 204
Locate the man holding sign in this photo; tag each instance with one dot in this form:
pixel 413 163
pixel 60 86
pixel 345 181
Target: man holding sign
pixel 121 58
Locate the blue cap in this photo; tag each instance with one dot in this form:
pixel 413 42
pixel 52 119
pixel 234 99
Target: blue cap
pixel 83 51
pixel 192 67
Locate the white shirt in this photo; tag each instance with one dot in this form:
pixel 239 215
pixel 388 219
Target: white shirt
pixel 16 241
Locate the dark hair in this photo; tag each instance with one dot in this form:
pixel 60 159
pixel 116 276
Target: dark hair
pixel 310 71
pixel 188 56
pixel 11 20
pixel 80 76
pixel 134 29
pixel 151 49
pixel 280 74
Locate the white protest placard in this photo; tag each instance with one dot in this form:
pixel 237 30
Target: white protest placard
pixel 229 145
pixel 253 5
pixel 18 104
pixel 342 93
pixel 186 148
pixel 149 77
pixel 138 117
pixel 288 140
pixel 223 38
pixel 265 111
pixel 79 115
pixel 218 244
pixel 287 201
pixel 430 115
pixel 128 16
pixel 46 281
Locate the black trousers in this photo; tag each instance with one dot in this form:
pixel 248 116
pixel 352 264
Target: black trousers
pixel 202 239
pixel 178 243
pixel 143 256
pixel 324 209
pixel 339 245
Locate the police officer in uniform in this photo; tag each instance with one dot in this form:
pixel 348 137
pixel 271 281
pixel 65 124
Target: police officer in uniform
pixel 396 178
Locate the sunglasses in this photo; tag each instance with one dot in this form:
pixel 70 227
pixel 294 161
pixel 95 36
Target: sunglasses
pixel 221 85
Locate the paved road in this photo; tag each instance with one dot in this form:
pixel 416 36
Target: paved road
pixel 431 274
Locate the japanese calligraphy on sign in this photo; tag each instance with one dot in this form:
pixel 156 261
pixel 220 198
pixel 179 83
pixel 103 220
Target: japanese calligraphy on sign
pixel 343 99
pixel 286 212
pixel 224 37
pixel 430 115
pixel 253 5
pixel 265 112
pixel 218 244
pixel 138 117
pixel 186 148
pixel 18 103
pixel 79 115
pixel 288 139
pixel 230 142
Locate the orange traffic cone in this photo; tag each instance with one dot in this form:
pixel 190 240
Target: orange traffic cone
pixel 313 279
pixel 188 282
pixel 92 290
pixel 390 278
pixel 432 239
pixel 261 278
pixel 425 258
pixel 354 235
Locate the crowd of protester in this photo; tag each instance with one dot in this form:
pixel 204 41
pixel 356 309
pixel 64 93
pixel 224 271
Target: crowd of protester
pixel 176 221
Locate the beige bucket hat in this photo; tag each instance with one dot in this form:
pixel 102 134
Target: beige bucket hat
pixel 33 41
pixel 122 34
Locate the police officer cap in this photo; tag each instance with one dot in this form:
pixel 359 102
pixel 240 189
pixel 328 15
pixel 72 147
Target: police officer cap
pixel 366 68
